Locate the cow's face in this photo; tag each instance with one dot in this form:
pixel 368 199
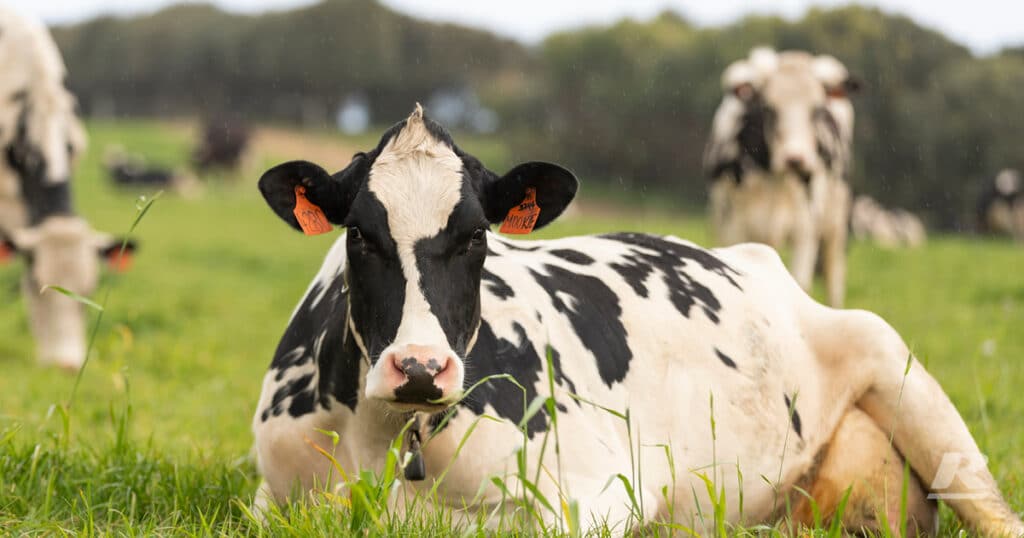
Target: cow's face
pixel 46 136
pixel 794 101
pixel 417 211
pixel 796 109
pixel 65 252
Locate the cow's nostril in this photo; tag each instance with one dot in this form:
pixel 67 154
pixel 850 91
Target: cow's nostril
pixel 396 364
pixel 435 367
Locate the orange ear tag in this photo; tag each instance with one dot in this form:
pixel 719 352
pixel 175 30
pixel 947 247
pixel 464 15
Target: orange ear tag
pixel 311 218
pixel 6 254
pixel 120 262
pixel 522 218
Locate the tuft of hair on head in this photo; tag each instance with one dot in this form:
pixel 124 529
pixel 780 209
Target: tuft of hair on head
pixel 417 113
pixel 415 136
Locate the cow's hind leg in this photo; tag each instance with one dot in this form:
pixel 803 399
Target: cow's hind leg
pixel 860 458
pixel 868 356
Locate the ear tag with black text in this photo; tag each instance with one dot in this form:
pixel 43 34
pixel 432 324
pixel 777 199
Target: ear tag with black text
pixel 311 218
pixel 522 218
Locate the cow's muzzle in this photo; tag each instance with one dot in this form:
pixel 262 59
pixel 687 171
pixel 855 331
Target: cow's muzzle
pixel 414 376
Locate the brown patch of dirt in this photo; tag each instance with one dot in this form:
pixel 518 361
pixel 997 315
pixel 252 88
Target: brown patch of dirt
pixel 280 143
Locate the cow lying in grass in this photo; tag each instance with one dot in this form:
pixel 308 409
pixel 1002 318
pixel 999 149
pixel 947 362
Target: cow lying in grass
pixel 40 137
pixel 722 361
pixel 778 157
pixel 886 227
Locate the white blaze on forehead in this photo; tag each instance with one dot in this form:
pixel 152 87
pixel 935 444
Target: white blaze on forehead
pixel 418 180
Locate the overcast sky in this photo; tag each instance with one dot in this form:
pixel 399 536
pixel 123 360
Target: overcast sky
pixel 983 25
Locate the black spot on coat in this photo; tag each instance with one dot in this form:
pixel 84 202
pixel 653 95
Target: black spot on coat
pixel 596 317
pixel 492 356
pixel 725 359
pixel 794 416
pixel 670 259
pixel 496 285
pixel 572 256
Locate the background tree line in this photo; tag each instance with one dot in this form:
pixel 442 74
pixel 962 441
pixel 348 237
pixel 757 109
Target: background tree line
pixel 628 104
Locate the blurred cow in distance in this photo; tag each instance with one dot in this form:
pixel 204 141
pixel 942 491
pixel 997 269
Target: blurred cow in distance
pixel 778 156
pixel 887 227
pixel 221 144
pixel 1001 207
pixel 41 137
pixel 128 170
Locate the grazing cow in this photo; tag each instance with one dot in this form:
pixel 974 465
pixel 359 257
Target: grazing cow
pixel 1001 208
pixel 889 228
pixel 41 136
pixel 132 171
pixel 223 141
pixel 778 154
pixel 419 301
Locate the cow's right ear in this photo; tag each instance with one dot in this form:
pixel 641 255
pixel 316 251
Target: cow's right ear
pixel 332 194
pixel 542 190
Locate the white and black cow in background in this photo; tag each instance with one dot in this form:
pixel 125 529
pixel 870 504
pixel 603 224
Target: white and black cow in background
pixel 778 156
pixel 419 300
pixel 886 227
pixel 40 137
pixel 1001 207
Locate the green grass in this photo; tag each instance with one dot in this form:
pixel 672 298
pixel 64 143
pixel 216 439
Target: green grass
pixel 157 439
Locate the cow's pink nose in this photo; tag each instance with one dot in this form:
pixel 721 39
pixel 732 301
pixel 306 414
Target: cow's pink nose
pixel 421 374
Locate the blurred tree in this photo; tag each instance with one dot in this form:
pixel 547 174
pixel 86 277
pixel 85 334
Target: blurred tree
pixel 628 104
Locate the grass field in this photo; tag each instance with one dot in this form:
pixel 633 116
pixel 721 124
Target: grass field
pixel 157 437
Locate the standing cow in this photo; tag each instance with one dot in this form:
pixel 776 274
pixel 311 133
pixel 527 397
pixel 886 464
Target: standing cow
pixel 419 301
pixel 778 155
pixel 1001 208
pixel 41 136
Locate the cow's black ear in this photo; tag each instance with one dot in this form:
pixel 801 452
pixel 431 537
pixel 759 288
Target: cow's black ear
pixel 332 194
pixel 553 186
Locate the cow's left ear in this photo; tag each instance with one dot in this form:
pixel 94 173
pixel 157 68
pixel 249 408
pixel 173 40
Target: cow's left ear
pixel 551 187
pixel 110 250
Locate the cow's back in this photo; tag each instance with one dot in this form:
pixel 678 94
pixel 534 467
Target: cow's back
pixel 655 326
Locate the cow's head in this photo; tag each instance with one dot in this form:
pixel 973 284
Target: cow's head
pixel 417 210
pixel 798 107
pixel 62 251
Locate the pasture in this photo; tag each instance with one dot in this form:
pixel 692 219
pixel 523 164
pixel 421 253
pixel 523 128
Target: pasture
pixel 156 439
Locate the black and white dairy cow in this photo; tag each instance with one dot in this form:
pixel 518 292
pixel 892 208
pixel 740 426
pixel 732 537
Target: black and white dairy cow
pixel 778 156
pixel 40 137
pixel 1000 208
pixel 419 300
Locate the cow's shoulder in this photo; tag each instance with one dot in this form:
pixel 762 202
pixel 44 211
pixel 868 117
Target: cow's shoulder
pixel 316 347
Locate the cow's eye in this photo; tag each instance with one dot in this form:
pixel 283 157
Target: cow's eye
pixel 354 234
pixel 478 236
